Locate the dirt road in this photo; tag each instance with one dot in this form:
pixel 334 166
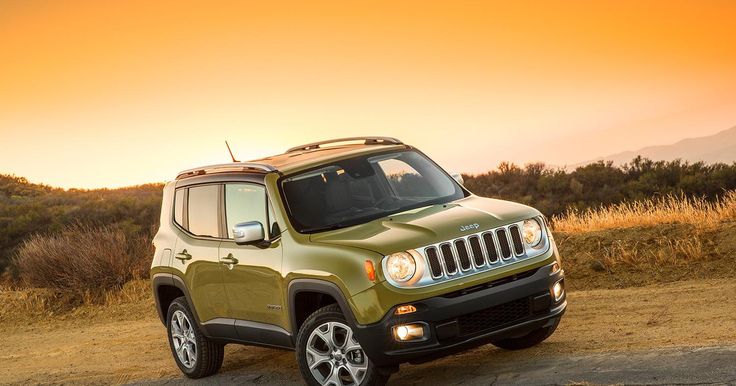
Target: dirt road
pixel 485 366
pixel 682 333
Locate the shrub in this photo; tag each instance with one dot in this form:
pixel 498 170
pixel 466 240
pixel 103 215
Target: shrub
pixel 83 260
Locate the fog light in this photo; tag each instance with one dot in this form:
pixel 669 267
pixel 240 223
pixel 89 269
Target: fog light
pixel 557 291
pixel 408 332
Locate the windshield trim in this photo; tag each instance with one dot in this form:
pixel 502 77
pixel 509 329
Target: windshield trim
pixel 365 219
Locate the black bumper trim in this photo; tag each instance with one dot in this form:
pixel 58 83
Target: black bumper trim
pixel 442 314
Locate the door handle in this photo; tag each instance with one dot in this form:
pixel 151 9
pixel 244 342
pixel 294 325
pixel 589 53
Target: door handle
pixel 229 259
pixel 183 256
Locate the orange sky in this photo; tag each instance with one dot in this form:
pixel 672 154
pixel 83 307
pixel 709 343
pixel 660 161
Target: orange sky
pixel 115 93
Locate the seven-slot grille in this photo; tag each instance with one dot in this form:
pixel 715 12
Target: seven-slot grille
pixel 479 250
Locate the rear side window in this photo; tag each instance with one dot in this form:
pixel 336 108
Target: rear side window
pixel 179 206
pixel 203 210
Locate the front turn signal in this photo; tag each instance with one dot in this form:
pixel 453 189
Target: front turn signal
pixel 370 271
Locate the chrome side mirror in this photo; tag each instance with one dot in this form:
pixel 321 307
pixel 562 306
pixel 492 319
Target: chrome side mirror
pixel 459 178
pixel 250 232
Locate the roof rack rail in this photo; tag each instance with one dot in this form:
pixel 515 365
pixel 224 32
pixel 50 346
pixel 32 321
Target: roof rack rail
pixel 368 141
pixel 224 168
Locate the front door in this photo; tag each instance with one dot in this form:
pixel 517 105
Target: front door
pixel 253 282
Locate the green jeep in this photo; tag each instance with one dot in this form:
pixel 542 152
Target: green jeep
pixel 357 253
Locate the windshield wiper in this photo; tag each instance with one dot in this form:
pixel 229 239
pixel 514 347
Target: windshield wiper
pixel 330 227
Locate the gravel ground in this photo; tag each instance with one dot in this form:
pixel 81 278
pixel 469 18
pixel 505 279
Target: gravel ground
pixel 678 333
pixel 695 366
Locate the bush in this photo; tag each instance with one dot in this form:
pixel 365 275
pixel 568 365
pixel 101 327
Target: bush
pixel 555 191
pixel 83 260
pixel 27 209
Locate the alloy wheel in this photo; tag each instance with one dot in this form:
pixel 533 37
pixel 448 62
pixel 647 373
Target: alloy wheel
pixel 334 356
pixel 182 334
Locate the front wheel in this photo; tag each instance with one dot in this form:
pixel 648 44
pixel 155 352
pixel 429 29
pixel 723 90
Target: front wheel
pixel 529 340
pixel 328 353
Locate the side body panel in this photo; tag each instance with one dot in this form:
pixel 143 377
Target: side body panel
pixel 203 276
pixel 254 285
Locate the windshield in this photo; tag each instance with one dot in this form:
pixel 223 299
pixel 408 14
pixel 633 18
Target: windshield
pixel 356 190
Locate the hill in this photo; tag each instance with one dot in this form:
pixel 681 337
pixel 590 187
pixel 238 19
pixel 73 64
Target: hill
pixel 719 147
pixel 27 208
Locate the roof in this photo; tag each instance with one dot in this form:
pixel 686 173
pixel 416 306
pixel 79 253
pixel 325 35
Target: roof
pixel 303 156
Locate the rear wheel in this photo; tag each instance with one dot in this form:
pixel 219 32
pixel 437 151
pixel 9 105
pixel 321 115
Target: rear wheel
pixel 328 353
pixel 195 354
pixel 529 340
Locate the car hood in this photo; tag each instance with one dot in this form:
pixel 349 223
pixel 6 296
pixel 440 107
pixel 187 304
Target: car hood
pixel 419 227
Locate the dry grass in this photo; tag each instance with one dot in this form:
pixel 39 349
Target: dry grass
pixel 660 240
pixel 654 212
pixel 83 262
pixel 663 251
pixel 34 304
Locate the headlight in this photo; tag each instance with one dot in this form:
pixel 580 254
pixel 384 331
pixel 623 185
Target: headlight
pixel 532 232
pixel 401 266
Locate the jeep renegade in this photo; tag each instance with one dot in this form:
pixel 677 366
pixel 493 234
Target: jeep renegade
pixel 357 253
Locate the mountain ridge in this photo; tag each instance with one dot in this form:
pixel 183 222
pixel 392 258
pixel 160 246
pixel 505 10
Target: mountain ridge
pixel 717 148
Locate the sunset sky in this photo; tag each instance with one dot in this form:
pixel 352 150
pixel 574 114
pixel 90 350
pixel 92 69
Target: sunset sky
pixel 113 93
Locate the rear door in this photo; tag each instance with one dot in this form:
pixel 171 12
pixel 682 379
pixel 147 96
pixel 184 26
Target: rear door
pixel 198 215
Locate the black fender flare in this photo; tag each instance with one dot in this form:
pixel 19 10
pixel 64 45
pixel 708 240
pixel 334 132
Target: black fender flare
pixel 168 279
pixel 320 286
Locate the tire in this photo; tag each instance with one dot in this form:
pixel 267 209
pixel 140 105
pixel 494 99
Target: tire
pixel 342 352
pixel 195 354
pixel 529 340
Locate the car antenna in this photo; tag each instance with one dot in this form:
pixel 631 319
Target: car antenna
pixel 231 152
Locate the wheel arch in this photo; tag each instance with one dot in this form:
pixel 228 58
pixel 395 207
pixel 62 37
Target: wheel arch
pixel 316 286
pixel 166 288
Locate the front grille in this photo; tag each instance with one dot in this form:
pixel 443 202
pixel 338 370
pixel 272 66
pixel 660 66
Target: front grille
pixel 462 254
pixel 503 242
pixel 516 239
pixel 490 247
pixel 494 317
pixel 487 249
pixel 434 261
pixel 478 257
pixel 448 258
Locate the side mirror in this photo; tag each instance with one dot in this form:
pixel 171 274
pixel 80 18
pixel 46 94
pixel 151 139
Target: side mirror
pixel 250 232
pixel 459 178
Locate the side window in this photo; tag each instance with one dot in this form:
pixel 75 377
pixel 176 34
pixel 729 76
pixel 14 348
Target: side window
pixel 203 212
pixel 179 207
pixel 244 202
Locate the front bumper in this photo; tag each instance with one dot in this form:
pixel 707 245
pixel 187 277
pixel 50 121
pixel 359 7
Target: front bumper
pixel 504 308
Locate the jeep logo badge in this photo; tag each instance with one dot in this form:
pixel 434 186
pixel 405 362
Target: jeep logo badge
pixel 468 227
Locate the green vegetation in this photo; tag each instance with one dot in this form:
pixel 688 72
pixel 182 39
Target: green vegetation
pixel 27 209
pixel 555 191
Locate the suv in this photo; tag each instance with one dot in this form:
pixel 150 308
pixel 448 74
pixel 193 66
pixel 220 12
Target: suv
pixel 358 256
